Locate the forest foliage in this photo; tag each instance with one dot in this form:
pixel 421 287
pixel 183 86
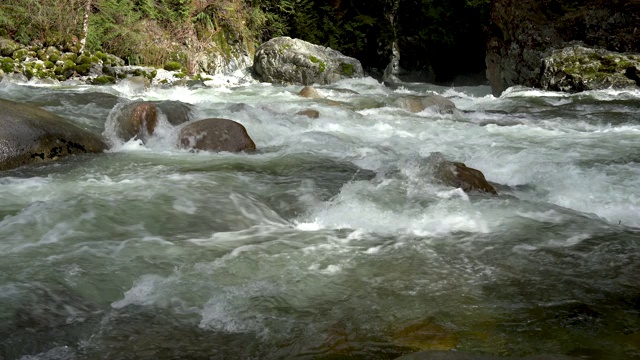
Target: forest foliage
pixel 156 31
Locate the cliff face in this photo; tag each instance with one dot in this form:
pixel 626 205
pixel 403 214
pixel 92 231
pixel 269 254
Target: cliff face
pixel 523 32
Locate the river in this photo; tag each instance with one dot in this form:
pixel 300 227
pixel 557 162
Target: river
pixel 332 241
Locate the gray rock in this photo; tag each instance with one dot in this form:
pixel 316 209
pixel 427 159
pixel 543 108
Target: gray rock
pixel 216 135
pixel 29 134
pixel 578 68
pixel 293 61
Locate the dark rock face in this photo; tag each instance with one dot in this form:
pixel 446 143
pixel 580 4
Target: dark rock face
pixel 216 135
pixel 285 60
pixel 522 33
pixel 140 118
pixel 29 134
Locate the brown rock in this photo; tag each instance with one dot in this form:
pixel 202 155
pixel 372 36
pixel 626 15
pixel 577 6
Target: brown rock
pixel 458 175
pixel 29 134
pixel 416 104
pixel 137 119
pixel 310 113
pixel 310 93
pixel 216 135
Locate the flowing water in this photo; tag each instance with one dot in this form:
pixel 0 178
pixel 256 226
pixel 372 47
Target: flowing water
pixel 333 241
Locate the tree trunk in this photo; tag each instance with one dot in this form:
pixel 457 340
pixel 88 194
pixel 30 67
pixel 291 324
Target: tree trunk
pixel 85 25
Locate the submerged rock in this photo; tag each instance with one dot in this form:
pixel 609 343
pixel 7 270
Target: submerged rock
pixel 578 68
pixel 310 113
pixel 458 175
pixel 216 135
pixel 310 92
pixel 29 134
pixel 419 103
pixel 293 61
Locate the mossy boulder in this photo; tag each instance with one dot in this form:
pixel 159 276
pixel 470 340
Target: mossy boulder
pixel 578 68
pixel 103 80
pixel 7 65
pixel 7 47
pixel 285 60
pixel 29 134
pixel 216 135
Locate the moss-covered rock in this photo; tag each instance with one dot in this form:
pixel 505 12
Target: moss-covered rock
pixel 7 47
pixel 83 60
pixel 103 80
pixel 7 64
pixel 20 54
pixel 293 61
pixel 83 69
pixel 578 68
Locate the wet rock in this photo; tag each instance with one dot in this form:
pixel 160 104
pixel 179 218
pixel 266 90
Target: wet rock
pixel 216 135
pixel 293 61
pixel 310 92
pixel 578 68
pixel 136 84
pixel 29 135
pixel 310 113
pixel 458 175
pixel 435 102
pixel 139 119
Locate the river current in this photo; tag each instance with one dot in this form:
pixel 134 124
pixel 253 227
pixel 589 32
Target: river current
pixel 333 241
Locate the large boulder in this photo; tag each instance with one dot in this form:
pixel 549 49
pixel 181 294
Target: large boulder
pixel 29 134
pixel 296 62
pixel 216 134
pixel 524 32
pixel 140 118
pixel 458 175
pixel 577 68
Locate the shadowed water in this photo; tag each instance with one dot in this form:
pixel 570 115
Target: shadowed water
pixel 333 241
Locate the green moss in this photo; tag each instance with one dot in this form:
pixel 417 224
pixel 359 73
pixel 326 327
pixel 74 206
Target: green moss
pixel 7 65
pixel 54 58
pixel 180 75
pixel 83 69
pixel 322 67
pixel 29 73
pixel 100 55
pixel 172 66
pixel 83 60
pixel 49 65
pixel 122 75
pixel 151 75
pixel 103 80
pixel 347 69
pixel 69 56
pixel 20 54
